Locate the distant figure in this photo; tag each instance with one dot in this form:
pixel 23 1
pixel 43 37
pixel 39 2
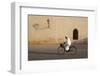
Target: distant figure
pixel 67 43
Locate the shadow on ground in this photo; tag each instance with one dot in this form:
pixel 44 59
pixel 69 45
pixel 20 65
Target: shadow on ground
pixel 48 52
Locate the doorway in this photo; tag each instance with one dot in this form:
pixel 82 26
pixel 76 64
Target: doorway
pixel 75 34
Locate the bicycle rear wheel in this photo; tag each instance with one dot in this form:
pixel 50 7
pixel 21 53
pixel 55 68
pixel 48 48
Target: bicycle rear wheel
pixel 73 50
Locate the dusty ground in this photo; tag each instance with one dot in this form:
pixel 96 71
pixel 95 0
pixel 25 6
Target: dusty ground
pixel 45 52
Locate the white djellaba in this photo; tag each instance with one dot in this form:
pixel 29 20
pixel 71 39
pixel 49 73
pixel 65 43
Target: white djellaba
pixel 68 42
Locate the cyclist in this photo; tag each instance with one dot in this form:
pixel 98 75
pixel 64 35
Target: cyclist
pixel 67 43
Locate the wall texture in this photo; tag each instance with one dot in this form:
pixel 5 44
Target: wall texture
pixel 59 26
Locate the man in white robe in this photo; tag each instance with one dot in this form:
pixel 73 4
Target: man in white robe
pixel 67 43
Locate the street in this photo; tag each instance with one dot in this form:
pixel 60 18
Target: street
pixel 47 52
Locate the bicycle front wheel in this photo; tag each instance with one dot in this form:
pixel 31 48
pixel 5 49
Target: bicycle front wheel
pixel 60 51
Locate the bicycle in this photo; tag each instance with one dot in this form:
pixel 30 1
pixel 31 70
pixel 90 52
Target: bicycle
pixel 61 49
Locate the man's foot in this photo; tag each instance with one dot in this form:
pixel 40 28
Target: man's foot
pixel 67 50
